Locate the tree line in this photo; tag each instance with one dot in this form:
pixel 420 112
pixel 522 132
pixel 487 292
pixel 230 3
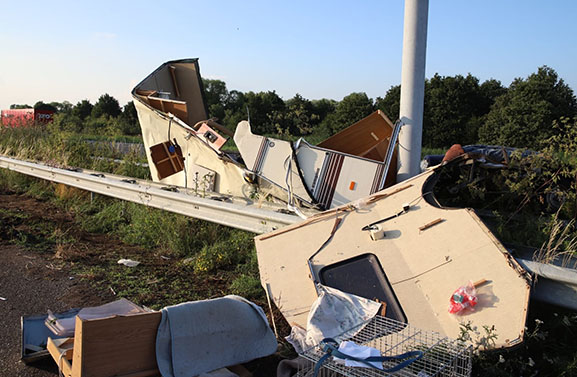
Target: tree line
pixel 105 116
pixel 457 109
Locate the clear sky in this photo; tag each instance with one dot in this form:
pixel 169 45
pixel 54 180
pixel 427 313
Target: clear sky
pixel 74 50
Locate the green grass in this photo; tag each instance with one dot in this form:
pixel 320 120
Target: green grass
pixel 118 139
pixel 214 249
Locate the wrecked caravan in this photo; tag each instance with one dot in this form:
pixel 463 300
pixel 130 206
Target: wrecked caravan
pixel 399 247
pixel 184 149
pixel 348 166
pixel 377 240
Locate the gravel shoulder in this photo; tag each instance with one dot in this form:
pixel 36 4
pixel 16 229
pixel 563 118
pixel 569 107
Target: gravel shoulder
pixel 31 284
pixel 38 274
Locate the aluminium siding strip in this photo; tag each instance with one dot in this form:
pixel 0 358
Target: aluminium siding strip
pixel 378 180
pixel 321 177
pixel 331 179
pixel 340 161
pixel 258 162
pixel 324 185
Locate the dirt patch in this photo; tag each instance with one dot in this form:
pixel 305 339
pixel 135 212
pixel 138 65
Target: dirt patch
pixel 49 262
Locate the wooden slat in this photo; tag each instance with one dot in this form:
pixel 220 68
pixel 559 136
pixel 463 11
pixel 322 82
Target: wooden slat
pixel 61 351
pixel 172 70
pixel 169 157
pixel 178 108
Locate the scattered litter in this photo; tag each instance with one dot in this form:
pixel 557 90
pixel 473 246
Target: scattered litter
pixel 34 335
pixel 165 258
pixel 129 262
pixel 360 352
pixel 114 345
pixel 331 314
pixel 33 348
pixel 376 232
pixel 112 290
pixel 65 326
pixel 431 224
pixel 3 298
pixel 267 289
pixel 465 297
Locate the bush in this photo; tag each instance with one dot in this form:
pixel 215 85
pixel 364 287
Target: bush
pixel 225 254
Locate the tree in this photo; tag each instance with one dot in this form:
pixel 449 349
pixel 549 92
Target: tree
pixel 129 112
pixel 128 120
pixel 455 107
pixel 235 109
pixel 215 91
pixel 323 107
pixel 83 109
pixel 300 116
pixel 44 106
pixel 61 107
pixel 266 109
pixel 215 95
pixel 17 106
pixel 351 109
pixel 524 115
pixel 490 91
pixel 106 105
pixel 68 122
pixel 451 110
pixel 234 101
pixel 391 103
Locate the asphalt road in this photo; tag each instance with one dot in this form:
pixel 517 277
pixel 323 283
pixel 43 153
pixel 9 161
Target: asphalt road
pixel 31 284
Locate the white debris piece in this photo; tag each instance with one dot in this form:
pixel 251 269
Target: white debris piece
pixel 129 262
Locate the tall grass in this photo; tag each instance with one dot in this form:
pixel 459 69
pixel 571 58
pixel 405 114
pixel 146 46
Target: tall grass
pixel 206 246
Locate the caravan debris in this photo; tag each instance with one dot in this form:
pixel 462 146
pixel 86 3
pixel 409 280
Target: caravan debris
pixel 64 326
pixel 413 271
pixel 120 338
pixel 318 176
pixel 183 148
pixel 422 252
pixel 128 262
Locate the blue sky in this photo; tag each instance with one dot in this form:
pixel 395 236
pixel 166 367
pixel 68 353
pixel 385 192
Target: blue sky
pixel 74 50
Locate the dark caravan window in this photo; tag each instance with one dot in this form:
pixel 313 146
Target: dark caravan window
pixel 363 276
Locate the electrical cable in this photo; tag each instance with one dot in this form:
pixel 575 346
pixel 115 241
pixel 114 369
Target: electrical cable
pixel 406 208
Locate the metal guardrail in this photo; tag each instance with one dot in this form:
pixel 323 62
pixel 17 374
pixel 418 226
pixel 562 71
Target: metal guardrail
pixel 557 285
pixel 225 210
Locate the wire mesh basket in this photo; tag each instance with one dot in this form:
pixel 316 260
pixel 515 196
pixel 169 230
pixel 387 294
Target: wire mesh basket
pixel 441 356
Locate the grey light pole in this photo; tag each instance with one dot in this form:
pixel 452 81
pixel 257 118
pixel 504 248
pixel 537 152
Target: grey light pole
pixel 412 87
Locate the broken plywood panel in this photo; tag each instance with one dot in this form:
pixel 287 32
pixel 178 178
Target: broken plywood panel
pixel 114 346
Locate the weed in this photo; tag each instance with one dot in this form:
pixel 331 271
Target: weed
pixel 480 340
pixel 247 286
pixel 562 242
pixel 224 254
